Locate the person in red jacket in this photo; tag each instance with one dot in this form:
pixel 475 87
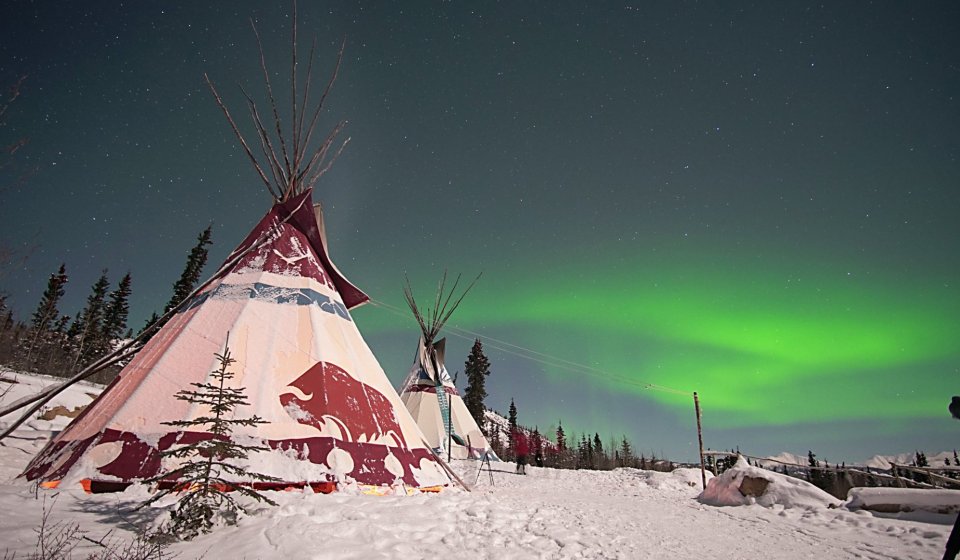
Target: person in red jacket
pixel 521 448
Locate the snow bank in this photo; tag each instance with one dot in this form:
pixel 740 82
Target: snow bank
pixel 549 513
pixel 747 485
pixel 15 386
pixel 892 500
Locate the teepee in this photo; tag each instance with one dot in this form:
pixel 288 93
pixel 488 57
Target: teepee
pixel 332 415
pixel 428 391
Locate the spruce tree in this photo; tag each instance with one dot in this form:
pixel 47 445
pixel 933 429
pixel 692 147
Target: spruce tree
pixel 46 315
pixel 187 282
pixel 117 311
pixel 599 457
pixel 626 453
pixel 512 430
pixel 536 447
pixel 477 368
pixel 89 342
pixel 586 452
pixel 814 476
pixel 922 462
pixel 152 325
pixel 192 271
pixel 201 478
pixel 559 459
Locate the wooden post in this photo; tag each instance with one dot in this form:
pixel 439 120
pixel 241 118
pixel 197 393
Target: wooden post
pixel 703 470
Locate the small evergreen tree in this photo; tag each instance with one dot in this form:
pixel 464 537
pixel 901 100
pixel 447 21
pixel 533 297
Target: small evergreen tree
pixel 586 453
pixel 921 462
pixel 599 458
pixel 626 453
pixel 46 314
pixel 201 479
pixel 117 311
pixel 89 343
pixel 477 368
pixel 559 456
pixel 510 452
pixel 814 473
pixel 536 446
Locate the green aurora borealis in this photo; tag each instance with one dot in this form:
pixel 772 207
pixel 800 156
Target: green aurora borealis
pixel 759 344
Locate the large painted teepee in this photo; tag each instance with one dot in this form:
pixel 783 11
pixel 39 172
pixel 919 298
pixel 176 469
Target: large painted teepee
pixel 332 415
pixel 428 391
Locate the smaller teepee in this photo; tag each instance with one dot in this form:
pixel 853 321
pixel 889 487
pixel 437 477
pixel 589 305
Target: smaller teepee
pixel 429 393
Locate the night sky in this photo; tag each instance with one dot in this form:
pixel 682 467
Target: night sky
pixel 759 203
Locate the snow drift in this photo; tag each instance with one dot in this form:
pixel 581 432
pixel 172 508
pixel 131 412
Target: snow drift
pixel 747 485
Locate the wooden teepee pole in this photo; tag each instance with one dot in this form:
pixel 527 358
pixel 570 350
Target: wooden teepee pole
pixel 703 470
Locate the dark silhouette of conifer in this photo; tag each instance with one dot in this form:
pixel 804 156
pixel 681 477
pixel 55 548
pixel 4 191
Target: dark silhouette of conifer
pixel 211 467
pixel 89 343
pixel 46 315
pixel 185 285
pixel 192 271
pixel 599 457
pixel 117 311
pixel 626 453
pixel 477 368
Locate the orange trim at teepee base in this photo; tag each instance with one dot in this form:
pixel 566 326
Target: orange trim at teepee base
pixel 50 484
pixel 324 487
pixel 85 484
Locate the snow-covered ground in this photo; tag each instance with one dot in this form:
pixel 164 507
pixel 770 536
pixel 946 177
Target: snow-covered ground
pixel 625 513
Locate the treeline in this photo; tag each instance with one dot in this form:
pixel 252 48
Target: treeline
pixel 573 451
pixel 58 344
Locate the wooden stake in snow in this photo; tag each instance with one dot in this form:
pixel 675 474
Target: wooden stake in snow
pixel 703 471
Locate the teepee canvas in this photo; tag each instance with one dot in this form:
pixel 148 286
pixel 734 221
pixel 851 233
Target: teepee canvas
pixel 431 395
pixel 332 415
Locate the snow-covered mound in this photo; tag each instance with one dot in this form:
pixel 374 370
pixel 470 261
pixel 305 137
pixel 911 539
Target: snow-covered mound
pixel 747 485
pixel 678 480
pixel 893 500
pixel 55 415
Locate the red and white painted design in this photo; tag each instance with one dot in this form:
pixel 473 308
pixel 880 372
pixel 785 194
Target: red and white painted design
pixel 333 414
